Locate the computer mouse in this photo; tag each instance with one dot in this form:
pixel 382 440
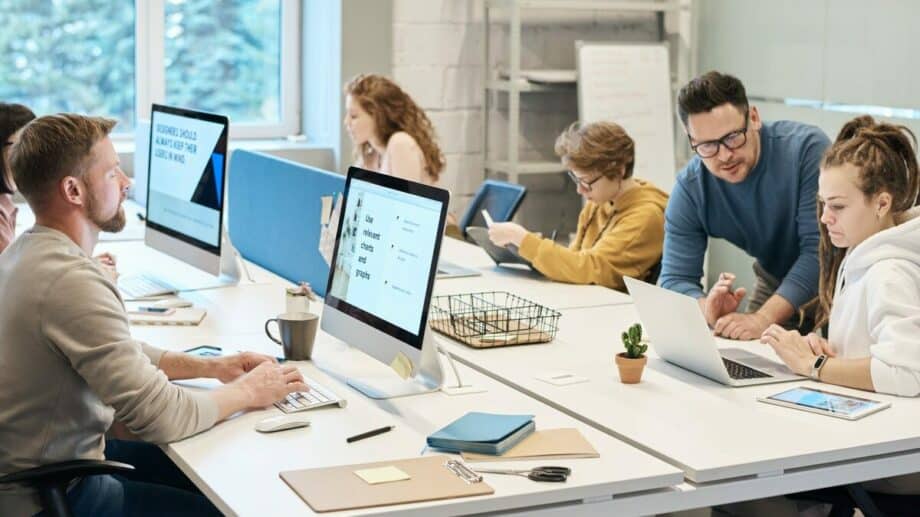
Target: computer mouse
pixel 281 423
pixel 172 303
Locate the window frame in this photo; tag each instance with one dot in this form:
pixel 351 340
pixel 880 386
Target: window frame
pixel 150 80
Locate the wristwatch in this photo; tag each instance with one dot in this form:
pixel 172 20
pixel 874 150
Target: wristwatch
pixel 816 368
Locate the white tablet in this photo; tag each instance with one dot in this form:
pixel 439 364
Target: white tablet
pixel 826 402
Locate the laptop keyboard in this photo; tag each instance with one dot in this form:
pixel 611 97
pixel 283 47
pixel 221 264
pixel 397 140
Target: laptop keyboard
pixel 142 286
pixel 740 371
pixel 318 396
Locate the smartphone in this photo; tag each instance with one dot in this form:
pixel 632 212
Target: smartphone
pixel 153 311
pixel 826 403
pixel 205 351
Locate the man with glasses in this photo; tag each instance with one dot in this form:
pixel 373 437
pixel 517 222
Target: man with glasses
pixel 754 184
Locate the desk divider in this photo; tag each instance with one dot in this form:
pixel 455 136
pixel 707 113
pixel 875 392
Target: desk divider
pixel 274 214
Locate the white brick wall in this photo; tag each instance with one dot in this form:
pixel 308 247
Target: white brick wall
pixel 438 59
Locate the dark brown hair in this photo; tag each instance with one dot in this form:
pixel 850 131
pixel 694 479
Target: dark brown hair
pixel 393 110
pixel 602 147
pixel 12 118
pixel 51 148
pixel 708 91
pixel 887 162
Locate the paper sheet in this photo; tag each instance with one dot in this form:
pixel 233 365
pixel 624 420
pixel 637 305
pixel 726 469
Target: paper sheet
pixel 329 227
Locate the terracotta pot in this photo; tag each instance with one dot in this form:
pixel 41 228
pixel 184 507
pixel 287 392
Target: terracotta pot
pixel 630 369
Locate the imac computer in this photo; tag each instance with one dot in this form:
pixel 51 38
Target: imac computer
pixel 186 170
pixel 381 277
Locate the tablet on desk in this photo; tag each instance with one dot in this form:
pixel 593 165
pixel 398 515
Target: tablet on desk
pixel 501 255
pixel 826 403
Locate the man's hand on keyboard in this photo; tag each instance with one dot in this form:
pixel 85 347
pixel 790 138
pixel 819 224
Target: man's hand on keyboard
pixel 229 367
pixel 269 382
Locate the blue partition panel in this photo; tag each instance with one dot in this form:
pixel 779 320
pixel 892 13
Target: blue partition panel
pixel 274 214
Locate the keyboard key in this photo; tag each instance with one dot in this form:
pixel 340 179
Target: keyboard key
pixel 300 401
pixel 740 371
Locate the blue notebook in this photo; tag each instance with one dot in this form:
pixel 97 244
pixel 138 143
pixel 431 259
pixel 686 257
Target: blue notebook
pixel 483 433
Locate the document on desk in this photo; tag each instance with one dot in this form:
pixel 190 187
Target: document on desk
pixel 561 378
pixel 339 488
pixel 186 316
pixel 546 444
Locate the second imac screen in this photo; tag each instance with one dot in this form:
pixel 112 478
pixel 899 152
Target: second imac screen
pixel 386 248
pixel 186 175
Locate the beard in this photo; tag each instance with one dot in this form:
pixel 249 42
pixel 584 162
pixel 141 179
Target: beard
pixel 114 224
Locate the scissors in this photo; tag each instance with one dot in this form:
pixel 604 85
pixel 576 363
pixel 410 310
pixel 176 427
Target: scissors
pixel 548 474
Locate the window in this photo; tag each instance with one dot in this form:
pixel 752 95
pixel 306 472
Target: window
pixel 69 56
pixel 234 57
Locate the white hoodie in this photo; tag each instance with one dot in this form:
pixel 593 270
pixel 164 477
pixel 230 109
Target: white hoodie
pixel 876 308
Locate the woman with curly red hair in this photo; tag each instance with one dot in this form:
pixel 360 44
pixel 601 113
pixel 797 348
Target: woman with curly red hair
pixel 390 132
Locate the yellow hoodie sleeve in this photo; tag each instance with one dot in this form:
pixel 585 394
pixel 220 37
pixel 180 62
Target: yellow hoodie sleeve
pixel 630 248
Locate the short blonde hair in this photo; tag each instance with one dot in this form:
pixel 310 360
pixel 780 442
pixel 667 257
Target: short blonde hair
pixel 602 147
pixel 51 148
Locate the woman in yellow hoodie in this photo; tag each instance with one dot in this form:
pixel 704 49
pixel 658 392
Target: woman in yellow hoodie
pixel 621 227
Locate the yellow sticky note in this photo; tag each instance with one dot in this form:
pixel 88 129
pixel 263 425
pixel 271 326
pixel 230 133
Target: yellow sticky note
pixel 402 365
pixel 382 475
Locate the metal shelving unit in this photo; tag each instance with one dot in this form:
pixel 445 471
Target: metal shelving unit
pixel 516 84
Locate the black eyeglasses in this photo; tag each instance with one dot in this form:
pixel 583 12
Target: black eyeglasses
pixel 731 141
pixel 582 183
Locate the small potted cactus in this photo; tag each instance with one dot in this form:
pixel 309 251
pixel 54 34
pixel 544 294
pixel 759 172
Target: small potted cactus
pixel 632 361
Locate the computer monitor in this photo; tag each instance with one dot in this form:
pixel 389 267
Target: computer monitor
pixel 186 171
pixel 381 277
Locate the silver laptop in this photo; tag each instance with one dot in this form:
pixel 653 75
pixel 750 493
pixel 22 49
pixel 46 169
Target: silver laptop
pixel 680 335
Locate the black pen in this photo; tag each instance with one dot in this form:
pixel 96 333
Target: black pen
pixel 372 432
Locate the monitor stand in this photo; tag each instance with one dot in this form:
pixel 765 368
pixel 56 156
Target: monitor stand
pixel 428 377
pixel 185 277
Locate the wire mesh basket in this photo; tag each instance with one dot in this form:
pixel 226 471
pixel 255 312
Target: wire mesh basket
pixel 491 319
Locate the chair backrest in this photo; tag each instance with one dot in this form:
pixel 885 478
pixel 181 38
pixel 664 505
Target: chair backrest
pixel 500 198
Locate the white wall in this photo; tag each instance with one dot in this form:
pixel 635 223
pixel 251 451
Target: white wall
pixel 438 59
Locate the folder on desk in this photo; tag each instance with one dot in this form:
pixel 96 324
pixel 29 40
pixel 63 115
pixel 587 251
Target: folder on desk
pixel 483 433
pixel 339 488
pixel 183 316
pixel 546 444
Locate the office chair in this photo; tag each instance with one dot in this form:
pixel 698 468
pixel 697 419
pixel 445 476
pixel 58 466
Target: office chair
pixel 844 500
pixel 500 198
pixel 52 480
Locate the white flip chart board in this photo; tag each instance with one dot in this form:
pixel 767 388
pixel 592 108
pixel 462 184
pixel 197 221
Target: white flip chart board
pixel 630 84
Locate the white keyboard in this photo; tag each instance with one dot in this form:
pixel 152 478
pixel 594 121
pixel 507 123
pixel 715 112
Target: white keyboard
pixel 318 396
pixel 141 286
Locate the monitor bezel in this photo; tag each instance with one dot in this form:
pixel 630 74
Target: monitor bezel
pixel 222 144
pixel 409 187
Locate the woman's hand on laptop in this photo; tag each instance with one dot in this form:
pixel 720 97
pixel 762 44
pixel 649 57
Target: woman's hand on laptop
pixel 793 348
pixel 819 345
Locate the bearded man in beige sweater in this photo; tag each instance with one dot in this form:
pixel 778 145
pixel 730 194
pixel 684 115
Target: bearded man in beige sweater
pixel 68 363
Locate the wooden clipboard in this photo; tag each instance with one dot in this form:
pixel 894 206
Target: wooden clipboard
pixel 331 489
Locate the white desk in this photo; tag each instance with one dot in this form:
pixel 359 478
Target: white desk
pixel 519 281
pixel 237 468
pixel 721 437
pixel 728 446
